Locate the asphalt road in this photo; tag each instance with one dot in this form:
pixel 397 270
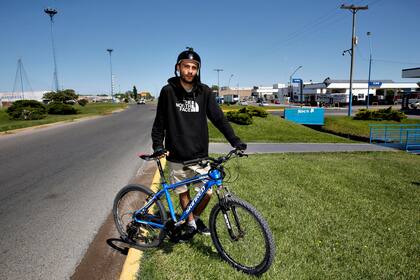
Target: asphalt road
pixel 57 185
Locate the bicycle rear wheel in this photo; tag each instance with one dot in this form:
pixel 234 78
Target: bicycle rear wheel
pixel 242 236
pixel 130 199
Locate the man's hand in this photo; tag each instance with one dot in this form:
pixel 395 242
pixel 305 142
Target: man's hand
pixel 160 153
pixel 241 146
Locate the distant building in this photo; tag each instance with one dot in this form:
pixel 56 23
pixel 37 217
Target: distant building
pixel 337 91
pixel 266 93
pixel 243 93
pixel 7 98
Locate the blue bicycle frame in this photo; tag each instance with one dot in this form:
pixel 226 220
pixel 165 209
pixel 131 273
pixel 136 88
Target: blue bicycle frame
pixel 213 177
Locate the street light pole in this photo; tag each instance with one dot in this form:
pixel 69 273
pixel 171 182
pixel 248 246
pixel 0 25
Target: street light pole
pixel 231 75
pixel 290 82
pixel 112 83
pixel 353 10
pixel 218 84
pixel 52 12
pixel 370 66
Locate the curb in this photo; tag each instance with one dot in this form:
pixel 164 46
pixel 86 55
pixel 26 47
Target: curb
pixel 132 262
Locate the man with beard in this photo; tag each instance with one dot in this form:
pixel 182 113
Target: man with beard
pixel 181 121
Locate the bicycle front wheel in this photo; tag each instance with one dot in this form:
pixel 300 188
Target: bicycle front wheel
pixel 130 199
pixel 242 236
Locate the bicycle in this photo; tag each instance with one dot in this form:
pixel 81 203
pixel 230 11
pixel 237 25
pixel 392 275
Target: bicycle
pixel 240 234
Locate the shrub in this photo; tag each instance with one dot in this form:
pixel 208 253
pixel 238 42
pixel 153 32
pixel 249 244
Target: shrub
pixel 61 109
pixel 62 96
pixel 254 111
pixel 239 117
pixel 27 110
pixel 83 102
pixel 381 114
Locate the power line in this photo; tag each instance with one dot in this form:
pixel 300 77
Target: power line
pixel 361 55
pixel 396 62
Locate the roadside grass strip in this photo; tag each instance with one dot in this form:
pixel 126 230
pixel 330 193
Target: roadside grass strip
pixel 274 129
pixel 134 256
pixel 333 216
pixel 89 110
pixel 344 125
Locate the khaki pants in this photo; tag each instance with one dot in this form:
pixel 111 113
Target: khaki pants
pixel 179 172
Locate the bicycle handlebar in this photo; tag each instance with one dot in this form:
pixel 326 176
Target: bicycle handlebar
pixel 201 161
pixel 217 161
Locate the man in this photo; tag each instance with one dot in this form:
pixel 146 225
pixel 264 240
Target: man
pixel 181 121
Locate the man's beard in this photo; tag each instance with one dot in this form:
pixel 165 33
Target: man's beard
pixel 187 81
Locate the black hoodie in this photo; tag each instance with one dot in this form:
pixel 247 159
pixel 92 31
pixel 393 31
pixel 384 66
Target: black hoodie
pixel 181 119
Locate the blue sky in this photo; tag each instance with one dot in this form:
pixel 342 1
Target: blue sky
pixel 259 42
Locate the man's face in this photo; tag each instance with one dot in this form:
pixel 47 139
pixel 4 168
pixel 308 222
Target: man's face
pixel 187 70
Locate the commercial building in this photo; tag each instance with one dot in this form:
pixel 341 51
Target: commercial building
pixel 337 91
pixel 7 98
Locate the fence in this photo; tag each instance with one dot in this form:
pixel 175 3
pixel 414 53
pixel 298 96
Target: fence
pixel 402 136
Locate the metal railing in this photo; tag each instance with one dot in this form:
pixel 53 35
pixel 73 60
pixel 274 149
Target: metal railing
pixel 412 143
pixel 402 136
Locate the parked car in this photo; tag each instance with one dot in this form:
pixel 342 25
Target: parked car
pixel 243 103
pixel 141 101
pixel 263 103
pixel 276 102
pixel 415 105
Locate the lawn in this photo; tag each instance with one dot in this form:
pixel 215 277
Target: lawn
pixel 89 110
pixel 226 108
pixel 274 129
pixel 333 216
pixel 344 125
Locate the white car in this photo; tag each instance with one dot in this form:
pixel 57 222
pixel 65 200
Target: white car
pixel 415 105
pixel 243 103
pixel 263 103
pixel 141 101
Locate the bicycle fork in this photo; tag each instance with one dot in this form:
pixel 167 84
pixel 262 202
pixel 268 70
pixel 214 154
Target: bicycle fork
pixel 225 211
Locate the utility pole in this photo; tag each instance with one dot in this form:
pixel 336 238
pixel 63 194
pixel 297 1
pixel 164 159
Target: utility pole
pixel 218 84
pixel 112 80
pixel 20 78
pixel 231 75
pixel 353 9
pixel 52 12
pixel 370 65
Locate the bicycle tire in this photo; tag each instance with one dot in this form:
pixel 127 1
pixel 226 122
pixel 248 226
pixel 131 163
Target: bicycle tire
pixel 244 253
pixel 140 236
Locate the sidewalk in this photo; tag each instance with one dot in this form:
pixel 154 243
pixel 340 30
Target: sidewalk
pixel 300 147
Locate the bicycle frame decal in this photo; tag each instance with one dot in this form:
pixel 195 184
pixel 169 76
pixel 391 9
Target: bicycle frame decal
pixel 215 179
pixel 193 202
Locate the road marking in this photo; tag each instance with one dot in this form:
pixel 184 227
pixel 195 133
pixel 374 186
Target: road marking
pixel 132 262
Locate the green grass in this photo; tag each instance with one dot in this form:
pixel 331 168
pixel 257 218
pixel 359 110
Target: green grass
pixel 347 126
pixel 333 216
pixel 89 110
pixel 274 129
pixel 237 107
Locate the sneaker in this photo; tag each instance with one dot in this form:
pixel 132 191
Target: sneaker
pixel 188 234
pixel 201 227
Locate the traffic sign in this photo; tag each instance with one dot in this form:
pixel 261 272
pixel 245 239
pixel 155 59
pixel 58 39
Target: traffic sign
pixel 297 80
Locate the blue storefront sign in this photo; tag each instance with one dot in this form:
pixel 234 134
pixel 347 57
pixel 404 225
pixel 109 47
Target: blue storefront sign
pixel 375 84
pixel 309 116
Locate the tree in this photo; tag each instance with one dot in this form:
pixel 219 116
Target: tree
pixel 214 88
pixel 62 96
pixel 135 93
